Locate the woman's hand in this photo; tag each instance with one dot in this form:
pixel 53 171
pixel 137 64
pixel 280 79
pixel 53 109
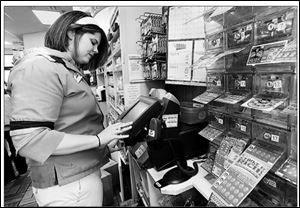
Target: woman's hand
pixel 113 147
pixel 111 134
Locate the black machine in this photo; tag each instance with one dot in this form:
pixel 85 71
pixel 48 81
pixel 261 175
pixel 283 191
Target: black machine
pixel 165 142
pixel 140 113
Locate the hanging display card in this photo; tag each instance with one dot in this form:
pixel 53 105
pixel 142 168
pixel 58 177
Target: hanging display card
pixel 265 53
pixel 236 183
pixel 288 53
pixel 276 26
pixel 215 41
pixel 262 104
pixel 199 72
pixel 131 93
pixel 186 23
pixel 180 60
pixel 135 68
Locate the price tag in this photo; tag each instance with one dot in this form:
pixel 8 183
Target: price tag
pixel 171 120
pixel 151 133
pixel 140 151
pixel 220 121
pixel 277 84
pixel 243 83
pixel 243 128
pixel 281 26
pixel 275 138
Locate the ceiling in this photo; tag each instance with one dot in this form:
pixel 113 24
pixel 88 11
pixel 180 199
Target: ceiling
pixel 20 20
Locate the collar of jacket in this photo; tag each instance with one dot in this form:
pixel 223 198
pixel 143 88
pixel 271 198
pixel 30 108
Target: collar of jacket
pixel 48 52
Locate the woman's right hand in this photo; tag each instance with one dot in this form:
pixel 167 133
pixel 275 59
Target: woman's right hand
pixel 114 132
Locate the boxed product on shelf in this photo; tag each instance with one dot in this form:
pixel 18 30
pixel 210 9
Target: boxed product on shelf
pixel 215 41
pixel 273 85
pixel 159 43
pixel 240 35
pixel 239 82
pixel 151 24
pixel 215 87
pixel 271 92
pixel 270 134
pixel 240 125
pixel 238 88
pixel 147 71
pixel 275 27
pixel 158 70
pixel 218 120
pixel 272 138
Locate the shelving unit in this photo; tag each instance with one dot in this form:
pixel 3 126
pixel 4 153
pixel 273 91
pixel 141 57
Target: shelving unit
pixel 123 38
pixel 121 89
pixel 113 72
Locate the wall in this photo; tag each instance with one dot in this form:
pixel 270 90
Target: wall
pixel 34 40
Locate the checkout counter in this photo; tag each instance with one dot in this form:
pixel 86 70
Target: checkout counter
pixel 165 148
pixel 163 160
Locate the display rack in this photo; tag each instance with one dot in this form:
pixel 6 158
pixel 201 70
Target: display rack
pixel 122 87
pixel 265 68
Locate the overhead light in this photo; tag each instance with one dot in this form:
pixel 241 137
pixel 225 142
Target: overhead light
pixel 46 17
